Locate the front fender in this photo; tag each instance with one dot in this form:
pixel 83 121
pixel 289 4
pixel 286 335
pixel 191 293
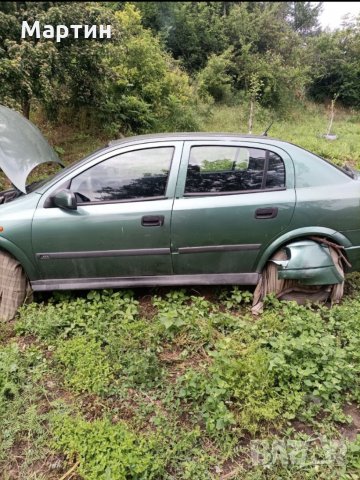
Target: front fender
pixel 28 266
pixel 332 235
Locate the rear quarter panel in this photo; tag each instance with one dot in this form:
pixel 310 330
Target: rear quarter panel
pixel 327 204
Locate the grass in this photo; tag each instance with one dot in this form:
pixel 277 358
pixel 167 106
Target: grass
pixel 304 126
pixel 180 385
pixel 171 384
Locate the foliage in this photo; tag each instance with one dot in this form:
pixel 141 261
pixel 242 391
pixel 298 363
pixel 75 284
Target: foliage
pixel 235 297
pixel 334 65
pixel 102 319
pixel 127 83
pixel 291 365
pixel 193 316
pixel 192 31
pixel 14 369
pixel 141 80
pixel 304 125
pixel 177 386
pixel 304 17
pixel 52 73
pixel 132 84
pixel 106 450
pixel 147 91
pixel 161 394
pixel 229 42
pixel 99 315
pixel 86 365
pixel 114 450
pixel 21 371
pixel 215 78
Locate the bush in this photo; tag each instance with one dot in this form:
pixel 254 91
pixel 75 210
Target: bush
pixel 216 79
pixel 145 89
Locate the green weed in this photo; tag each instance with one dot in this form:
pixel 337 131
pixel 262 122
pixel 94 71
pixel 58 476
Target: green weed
pixel 86 366
pixel 188 386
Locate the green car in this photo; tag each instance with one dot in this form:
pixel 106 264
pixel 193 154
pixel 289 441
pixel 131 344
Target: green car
pixel 174 209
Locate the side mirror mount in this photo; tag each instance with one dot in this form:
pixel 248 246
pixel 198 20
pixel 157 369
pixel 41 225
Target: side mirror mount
pixel 65 199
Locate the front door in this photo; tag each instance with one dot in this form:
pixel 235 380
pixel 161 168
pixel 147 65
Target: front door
pixel 232 199
pixel 122 223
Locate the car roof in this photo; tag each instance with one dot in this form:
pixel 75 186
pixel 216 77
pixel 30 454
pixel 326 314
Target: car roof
pixel 179 136
pixel 193 136
pixel 287 147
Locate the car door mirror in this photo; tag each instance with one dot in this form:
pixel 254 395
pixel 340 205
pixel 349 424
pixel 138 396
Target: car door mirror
pixel 65 199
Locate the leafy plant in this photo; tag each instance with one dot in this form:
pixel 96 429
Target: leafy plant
pixel 107 450
pixel 86 366
pixel 99 315
pixel 21 419
pixel 235 297
pixel 15 368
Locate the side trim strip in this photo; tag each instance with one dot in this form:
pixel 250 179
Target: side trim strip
pixel 221 248
pixel 146 251
pixel 148 281
pixel 104 253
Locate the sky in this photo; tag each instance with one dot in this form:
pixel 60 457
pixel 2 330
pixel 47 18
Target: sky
pixel 334 11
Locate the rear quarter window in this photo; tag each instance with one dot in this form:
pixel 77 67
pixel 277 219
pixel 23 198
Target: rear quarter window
pixel 314 171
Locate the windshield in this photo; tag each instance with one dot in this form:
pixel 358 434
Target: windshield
pixel 35 184
pixel 39 183
pixel 42 174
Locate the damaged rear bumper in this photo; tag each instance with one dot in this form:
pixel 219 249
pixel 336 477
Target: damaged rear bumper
pixel 309 262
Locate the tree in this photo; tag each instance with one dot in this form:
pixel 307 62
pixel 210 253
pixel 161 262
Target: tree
pixel 191 31
pixel 266 46
pixel 146 89
pixel 304 17
pixel 26 66
pixel 217 78
pixel 67 72
pixel 254 92
pixel 335 69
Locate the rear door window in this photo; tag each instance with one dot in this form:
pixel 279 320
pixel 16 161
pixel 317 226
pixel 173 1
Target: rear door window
pixel 218 169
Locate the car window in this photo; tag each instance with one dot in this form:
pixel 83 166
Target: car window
pixel 137 174
pixel 221 169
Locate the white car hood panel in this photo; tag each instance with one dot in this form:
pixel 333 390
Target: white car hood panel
pixel 22 147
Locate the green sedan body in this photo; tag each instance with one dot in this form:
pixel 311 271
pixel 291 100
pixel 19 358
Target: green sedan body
pixel 171 209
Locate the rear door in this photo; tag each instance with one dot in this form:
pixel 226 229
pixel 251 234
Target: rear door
pixel 232 198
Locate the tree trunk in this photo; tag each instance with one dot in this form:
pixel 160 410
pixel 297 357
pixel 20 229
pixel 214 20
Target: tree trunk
pixel 251 115
pixel 332 114
pixel 26 108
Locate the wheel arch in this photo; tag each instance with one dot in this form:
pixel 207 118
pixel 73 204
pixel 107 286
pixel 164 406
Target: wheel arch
pixel 28 266
pixel 300 233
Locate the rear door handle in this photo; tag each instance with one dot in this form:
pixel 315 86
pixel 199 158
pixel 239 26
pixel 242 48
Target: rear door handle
pixel 263 213
pixel 152 221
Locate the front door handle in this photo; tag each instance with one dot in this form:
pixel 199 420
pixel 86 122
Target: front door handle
pixel 152 221
pixel 263 213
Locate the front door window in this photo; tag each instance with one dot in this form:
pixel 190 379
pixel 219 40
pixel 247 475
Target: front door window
pixel 140 174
